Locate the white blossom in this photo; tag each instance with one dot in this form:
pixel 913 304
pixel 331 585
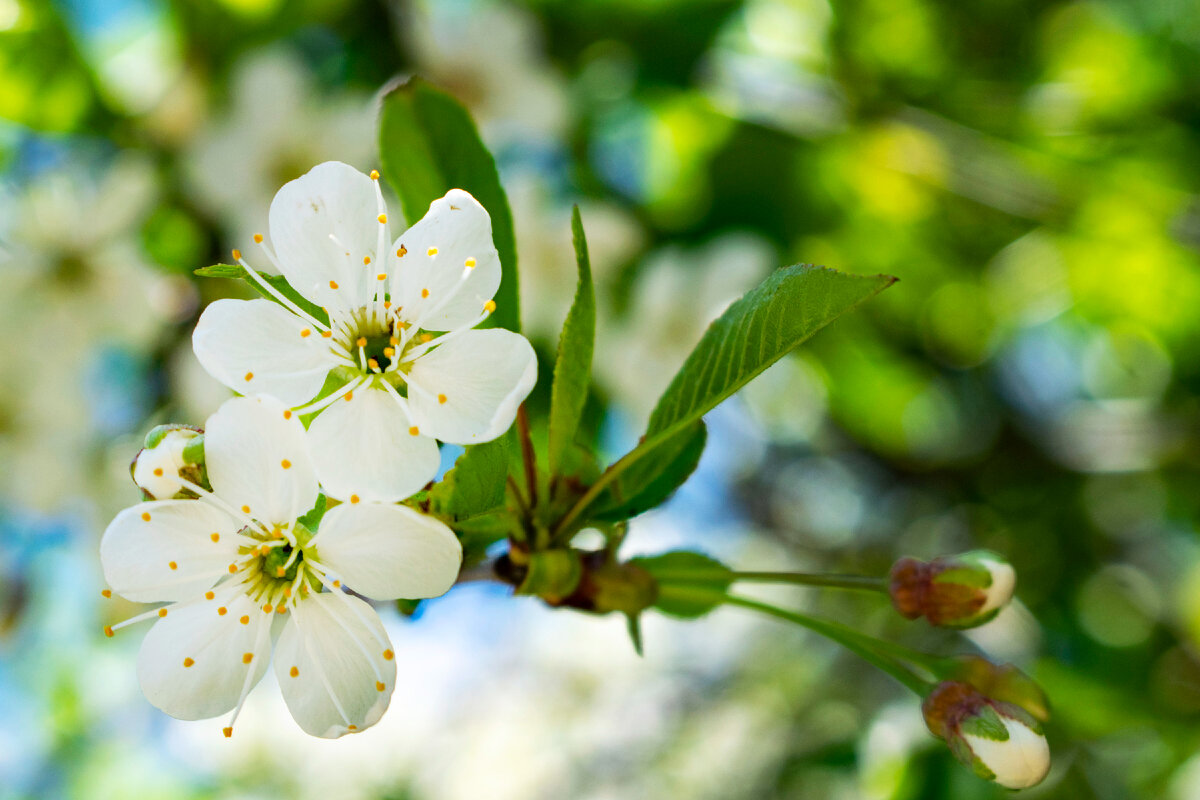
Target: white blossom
pixel 407 366
pixel 237 569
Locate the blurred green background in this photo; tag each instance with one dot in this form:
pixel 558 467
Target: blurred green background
pixel 1028 168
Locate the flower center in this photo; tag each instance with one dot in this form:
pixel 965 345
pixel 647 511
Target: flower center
pixel 276 569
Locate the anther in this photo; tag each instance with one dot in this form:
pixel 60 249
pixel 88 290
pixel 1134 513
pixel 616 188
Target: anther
pixel 268 608
pixel 294 672
pixel 232 569
pixel 258 238
pixel 106 593
pixel 285 464
pixel 361 341
pixel 108 631
pixel 431 251
pixel 245 620
pixel 249 376
pixel 237 255
pixel 337 584
pixel 442 399
pixel 279 573
pixel 374 175
pixel 489 306
pixel 373 364
pixel 209 595
pixel 349 395
pixel 353 499
pixel 389 351
pixel 402 251
pixel 228 732
pixel 327 334
pixel 304 334
pixel 333 284
pixel 426 337
pixel 158 472
pixel 287 413
pixel 388 655
pixel 280 609
pixel 424 293
pixel 162 612
pixel 216 537
pixel 247 658
pixel 245 509
pixel 187 662
pixel 366 259
pixel 351 727
pixel 173 565
pixel 145 516
pixel 379 686
pixel 382 218
pixel 414 430
pixel 222 611
pixel 381 276
pixel 469 263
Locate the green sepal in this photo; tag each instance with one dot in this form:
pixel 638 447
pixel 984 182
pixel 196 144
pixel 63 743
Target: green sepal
pixel 312 518
pixel 277 282
pixel 686 582
pixel 986 724
pixel 633 624
pixel 193 451
pixel 552 574
pixel 966 756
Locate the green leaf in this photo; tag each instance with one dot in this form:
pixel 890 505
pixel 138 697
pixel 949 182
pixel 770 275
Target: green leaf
pixel 689 584
pixel 756 331
pixel 277 282
pixel 428 145
pixel 655 477
pixel 770 320
pixel 572 368
pixel 474 487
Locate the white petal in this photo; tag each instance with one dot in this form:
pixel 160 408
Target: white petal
pixel 214 648
pixel 335 666
pixel 164 550
pixel 483 376
pixel 258 458
pixel 389 551
pixel 322 226
pixel 1019 762
pixel 363 449
pixel 256 346
pixel 456 230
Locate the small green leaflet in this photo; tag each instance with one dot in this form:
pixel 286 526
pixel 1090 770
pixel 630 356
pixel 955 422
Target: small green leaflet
pixel 475 487
pixel 655 477
pixel 428 145
pixel 770 320
pixel 689 584
pixel 573 366
pixel 756 331
pixel 277 282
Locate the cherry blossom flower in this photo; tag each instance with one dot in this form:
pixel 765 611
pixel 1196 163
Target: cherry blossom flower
pixel 399 344
pixel 237 569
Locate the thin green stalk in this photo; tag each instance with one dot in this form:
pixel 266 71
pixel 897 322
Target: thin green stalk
pixel 861 582
pixel 860 644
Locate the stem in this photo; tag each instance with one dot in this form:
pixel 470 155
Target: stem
pixel 865 647
pixel 860 582
pixel 527 455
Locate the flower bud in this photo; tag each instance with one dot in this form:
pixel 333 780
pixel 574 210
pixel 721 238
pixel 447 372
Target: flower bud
pixel 999 741
pixel 172 453
pixel 1003 682
pixel 959 591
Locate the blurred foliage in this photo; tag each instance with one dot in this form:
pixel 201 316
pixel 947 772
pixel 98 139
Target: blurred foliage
pixel 1026 167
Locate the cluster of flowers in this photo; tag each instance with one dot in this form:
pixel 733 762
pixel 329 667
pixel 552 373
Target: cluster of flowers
pixel 259 531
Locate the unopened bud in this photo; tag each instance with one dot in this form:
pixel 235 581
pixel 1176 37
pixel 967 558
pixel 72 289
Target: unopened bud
pixel 999 741
pixel 1003 682
pixel 959 591
pixel 172 454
